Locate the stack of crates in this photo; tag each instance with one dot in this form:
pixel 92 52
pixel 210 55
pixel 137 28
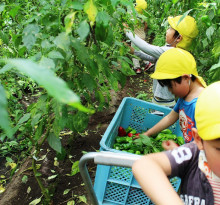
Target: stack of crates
pixel 117 185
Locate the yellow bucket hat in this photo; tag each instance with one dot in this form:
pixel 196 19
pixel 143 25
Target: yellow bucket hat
pixel 187 28
pixel 207 112
pixel 174 63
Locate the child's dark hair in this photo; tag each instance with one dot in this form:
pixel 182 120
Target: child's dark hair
pixel 167 82
pixel 176 34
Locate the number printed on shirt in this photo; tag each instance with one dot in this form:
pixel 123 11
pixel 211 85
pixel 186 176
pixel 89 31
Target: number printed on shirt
pixel 181 154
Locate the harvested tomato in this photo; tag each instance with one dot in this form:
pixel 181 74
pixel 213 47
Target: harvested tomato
pixel 121 131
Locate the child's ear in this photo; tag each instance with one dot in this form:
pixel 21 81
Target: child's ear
pixel 197 138
pixel 179 38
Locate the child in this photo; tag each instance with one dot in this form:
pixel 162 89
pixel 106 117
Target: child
pixel 176 69
pixel 178 35
pixel 197 164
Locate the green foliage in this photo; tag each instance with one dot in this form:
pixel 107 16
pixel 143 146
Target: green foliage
pixel 66 56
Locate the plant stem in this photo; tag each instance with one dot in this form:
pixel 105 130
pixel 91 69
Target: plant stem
pixel 43 190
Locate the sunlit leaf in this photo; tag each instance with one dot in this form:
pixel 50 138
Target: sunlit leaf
pixel 28 190
pixel 174 1
pixel 75 168
pixel 11 164
pixel 69 19
pixel 24 179
pixel 2 7
pixel 2 189
pixel 83 199
pixel 66 191
pixel 52 177
pixel 91 11
pixel 35 202
pixel 56 163
pixel 72 202
pixel 54 142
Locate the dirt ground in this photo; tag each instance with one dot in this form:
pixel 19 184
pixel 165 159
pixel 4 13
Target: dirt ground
pixel 20 193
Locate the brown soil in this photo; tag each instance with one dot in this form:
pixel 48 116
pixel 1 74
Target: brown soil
pixel 23 193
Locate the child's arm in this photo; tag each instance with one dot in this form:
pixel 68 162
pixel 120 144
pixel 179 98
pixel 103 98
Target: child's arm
pixel 154 51
pixel 151 172
pixel 164 123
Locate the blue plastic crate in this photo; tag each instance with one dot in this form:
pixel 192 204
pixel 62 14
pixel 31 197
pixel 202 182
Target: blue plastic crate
pixel 137 114
pixel 117 185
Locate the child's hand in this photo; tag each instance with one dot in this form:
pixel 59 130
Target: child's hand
pixel 169 145
pixel 131 48
pixel 126 27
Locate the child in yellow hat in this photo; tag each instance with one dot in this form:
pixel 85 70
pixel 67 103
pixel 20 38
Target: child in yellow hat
pixel 180 35
pixel 197 164
pixel 176 69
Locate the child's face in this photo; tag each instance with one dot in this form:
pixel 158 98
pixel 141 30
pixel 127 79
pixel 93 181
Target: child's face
pixel 212 151
pixel 180 89
pixel 170 35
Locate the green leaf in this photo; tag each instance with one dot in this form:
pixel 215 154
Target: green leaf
pixel 69 19
pixel 55 54
pixel 114 2
pixel 80 121
pixel 36 119
pixel 62 41
pixel 24 118
pixel 83 199
pixel 174 1
pixel 4 118
pixel 126 69
pixel 83 55
pixel 13 12
pixel 72 202
pixel 210 31
pixel 91 10
pixel 54 142
pixel 52 177
pixel 47 63
pixel 214 72
pixel 88 81
pixel 75 168
pixel 76 5
pixel 24 179
pixel 55 86
pixel 83 30
pixel 66 191
pixel 145 140
pixel 184 15
pixel 2 7
pixel 29 35
pixel 102 18
pixel 35 202
pixel 6 68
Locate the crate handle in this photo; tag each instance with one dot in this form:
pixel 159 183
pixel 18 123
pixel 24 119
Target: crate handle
pixel 104 158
